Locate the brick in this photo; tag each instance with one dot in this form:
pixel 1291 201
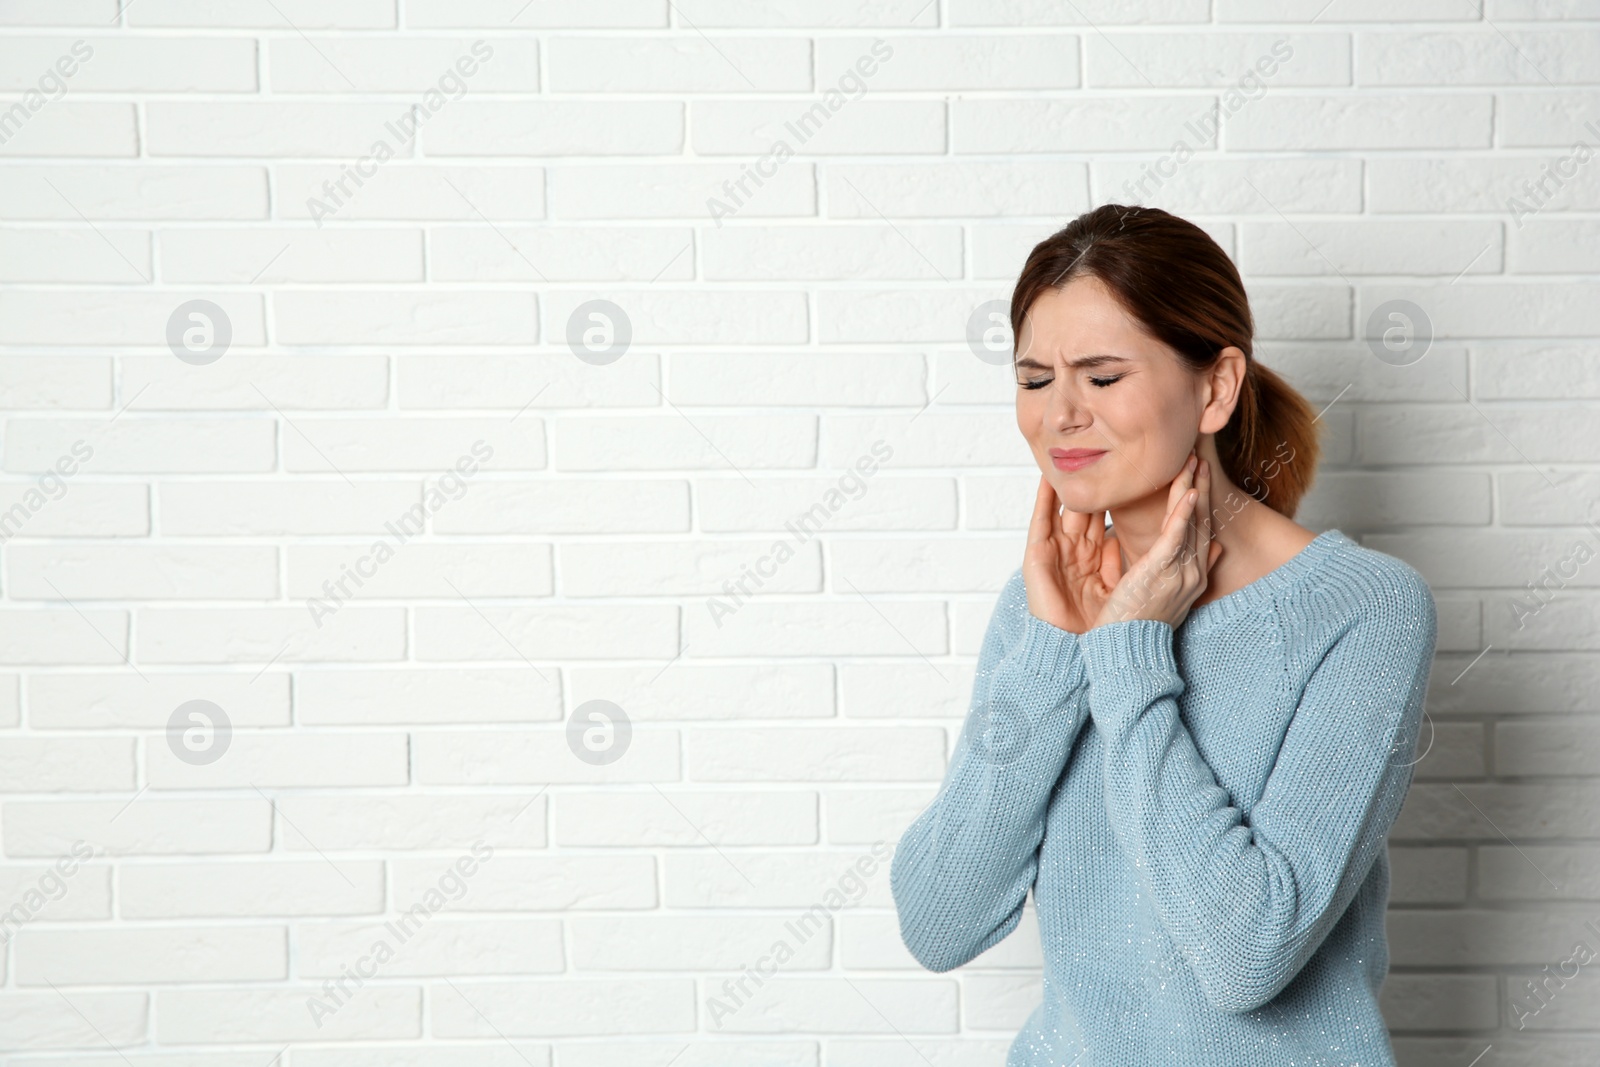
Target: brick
pixel 1073 13
pixel 291 255
pixel 112 318
pixel 53 765
pixel 694 943
pixel 1369 121
pixel 946 62
pixel 535 758
pixel 1477 57
pixel 409 823
pixel 303 14
pixel 561 14
pixel 290 506
pixel 110 256
pixel 732 505
pixel 689 692
pixel 1105 124
pixel 143 572
pixel 933 191
pixel 432 947
pixel 840 14
pixel 443 696
pixel 677 817
pixel 260 128
pixel 858 1006
pixel 448 317
pixel 129 192
pixel 409 190
pixel 556 127
pixel 142 956
pixel 541 883
pixel 815 754
pixel 216 1016
pixel 265 759
pixel 566 253
pixel 251 889
pixel 1249 64
pixel 687 190
pixel 452 66
pixel 69 128
pixel 827 253
pixel 46 1021
pixel 679 65
pixel 133 64
pixel 811 127
pixel 566 1006
pixel 141 827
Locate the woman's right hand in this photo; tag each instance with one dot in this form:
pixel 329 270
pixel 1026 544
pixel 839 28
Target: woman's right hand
pixel 1070 566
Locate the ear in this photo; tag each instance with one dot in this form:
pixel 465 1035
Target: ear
pixel 1221 386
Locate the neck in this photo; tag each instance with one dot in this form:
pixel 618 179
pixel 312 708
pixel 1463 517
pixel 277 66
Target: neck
pixel 1235 519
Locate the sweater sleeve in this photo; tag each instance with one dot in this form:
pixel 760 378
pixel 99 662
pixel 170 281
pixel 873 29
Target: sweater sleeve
pixel 962 870
pixel 1249 903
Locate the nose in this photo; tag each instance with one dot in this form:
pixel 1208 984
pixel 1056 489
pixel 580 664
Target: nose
pixel 1064 412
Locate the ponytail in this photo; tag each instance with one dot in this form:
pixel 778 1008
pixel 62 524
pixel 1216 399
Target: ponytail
pixel 1270 447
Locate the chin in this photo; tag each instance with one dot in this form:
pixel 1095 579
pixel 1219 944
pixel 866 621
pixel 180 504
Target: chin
pixel 1079 497
pixel 1083 498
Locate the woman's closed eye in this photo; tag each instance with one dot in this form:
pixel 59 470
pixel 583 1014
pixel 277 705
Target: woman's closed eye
pixel 1042 382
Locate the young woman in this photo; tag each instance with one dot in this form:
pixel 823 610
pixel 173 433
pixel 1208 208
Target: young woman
pixel 1190 733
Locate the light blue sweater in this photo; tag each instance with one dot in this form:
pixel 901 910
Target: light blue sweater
pixel 1202 816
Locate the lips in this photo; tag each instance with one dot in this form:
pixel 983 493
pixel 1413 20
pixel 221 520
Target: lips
pixel 1072 459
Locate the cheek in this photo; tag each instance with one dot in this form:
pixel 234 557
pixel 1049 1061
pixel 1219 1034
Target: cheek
pixel 1029 413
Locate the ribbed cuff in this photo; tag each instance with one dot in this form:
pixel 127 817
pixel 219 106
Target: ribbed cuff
pixel 1115 646
pixel 1049 651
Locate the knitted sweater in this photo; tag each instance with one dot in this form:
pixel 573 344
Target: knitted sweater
pixel 1202 815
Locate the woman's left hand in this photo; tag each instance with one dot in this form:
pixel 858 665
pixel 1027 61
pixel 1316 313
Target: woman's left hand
pixel 1164 582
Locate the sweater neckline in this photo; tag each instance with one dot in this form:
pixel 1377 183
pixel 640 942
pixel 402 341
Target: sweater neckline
pixel 1269 585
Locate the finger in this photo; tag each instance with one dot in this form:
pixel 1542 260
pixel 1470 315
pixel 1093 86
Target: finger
pixel 1203 483
pixel 1094 534
pixel 1189 528
pixel 1180 485
pixel 1170 542
pixel 1044 513
pixel 1110 562
pixel 1075 524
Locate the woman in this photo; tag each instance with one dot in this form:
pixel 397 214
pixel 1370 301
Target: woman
pixel 1191 733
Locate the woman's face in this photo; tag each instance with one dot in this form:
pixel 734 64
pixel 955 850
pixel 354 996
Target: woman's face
pixel 1089 379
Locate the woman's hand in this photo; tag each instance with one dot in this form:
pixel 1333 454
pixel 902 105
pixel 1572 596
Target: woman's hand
pixel 1069 566
pixel 1166 580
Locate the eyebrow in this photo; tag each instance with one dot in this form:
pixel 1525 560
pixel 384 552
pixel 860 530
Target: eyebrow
pixel 1099 359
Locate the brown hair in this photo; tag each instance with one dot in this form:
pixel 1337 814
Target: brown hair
pixel 1185 291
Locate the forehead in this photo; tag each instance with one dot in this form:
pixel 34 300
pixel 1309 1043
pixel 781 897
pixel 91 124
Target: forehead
pixel 1080 319
pixel 1084 305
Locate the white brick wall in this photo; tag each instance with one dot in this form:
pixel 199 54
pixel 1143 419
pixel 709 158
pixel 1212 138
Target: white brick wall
pixel 398 372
